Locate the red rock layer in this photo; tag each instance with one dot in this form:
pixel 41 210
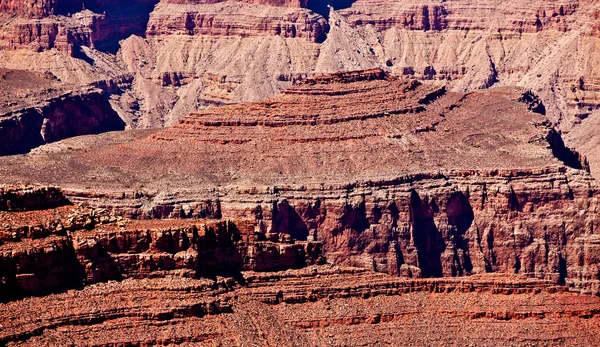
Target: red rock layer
pixel 236 19
pixel 44 250
pixel 44 34
pixel 419 189
pixel 311 307
pixel 514 16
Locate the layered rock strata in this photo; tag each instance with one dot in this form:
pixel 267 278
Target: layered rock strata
pixel 419 189
pixel 68 114
pixel 236 19
pixel 193 54
pixel 46 247
pixel 309 307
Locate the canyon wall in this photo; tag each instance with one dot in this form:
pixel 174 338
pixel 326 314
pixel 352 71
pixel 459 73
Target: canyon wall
pixel 237 20
pixel 48 245
pixel 190 55
pixel 419 190
pixel 539 223
pixel 72 114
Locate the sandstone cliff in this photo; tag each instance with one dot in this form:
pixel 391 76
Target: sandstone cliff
pixel 440 199
pixel 220 20
pixel 47 245
pixel 165 276
pixel 419 190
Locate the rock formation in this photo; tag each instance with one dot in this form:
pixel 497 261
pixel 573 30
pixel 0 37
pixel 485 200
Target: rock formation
pixel 447 156
pixel 166 291
pixel 219 20
pixel 419 190
pixel 37 109
pixel 191 54
pixel 49 245
pixel 170 287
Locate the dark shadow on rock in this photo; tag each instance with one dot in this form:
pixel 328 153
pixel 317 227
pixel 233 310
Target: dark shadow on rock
pixel 562 270
pixel 286 220
pixel 120 20
pixel 322 6
pixel 460 218
pixel 54 272
pixel 427 238
pixel 355 217
pixel 564 153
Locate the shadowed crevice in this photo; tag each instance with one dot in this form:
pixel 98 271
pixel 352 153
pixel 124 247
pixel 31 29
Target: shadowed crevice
pixel 427 238
pixel 322 6
pixel 563 153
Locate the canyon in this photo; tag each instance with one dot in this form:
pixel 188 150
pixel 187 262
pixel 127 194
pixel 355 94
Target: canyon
pixel 299 172
pixel 255 234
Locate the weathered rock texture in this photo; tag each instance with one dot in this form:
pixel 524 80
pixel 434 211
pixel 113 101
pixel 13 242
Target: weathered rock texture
pixel 170 288
pixel 220 20
pixel 311 307
pixel 350 202
pixel 35 110
pixel 45 247
pixel 419 190
pixel 188 55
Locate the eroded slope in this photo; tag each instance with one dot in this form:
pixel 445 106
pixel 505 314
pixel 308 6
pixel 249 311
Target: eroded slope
pixel 388 174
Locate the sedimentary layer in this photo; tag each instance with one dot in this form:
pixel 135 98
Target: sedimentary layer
pixel 419 189
pixel 236 19
pixel 47 245
pixel 39 109
pixel 190 55
pixel 119 281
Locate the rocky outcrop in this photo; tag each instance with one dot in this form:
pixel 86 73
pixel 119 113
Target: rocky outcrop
pixel 47 246
pixel 236 19
pixel 468 45
pixel 193 251
pixel 74 113
pixel 136 276
pixel 32 8
pixel 21 198
pixel 532 17
pixel 512 200
pixel 278 3
pixel 68 25
pixel 45 34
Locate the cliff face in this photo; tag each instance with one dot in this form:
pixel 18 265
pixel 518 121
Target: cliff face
pixel 530 17
pixel 500 245
pixel 507 222
pixel 236 19
pixel 46 246
pixel 511 200
pixel 539 223
pixel 33 8
pixel 191 54
pixel 439 199
pixel 71 114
